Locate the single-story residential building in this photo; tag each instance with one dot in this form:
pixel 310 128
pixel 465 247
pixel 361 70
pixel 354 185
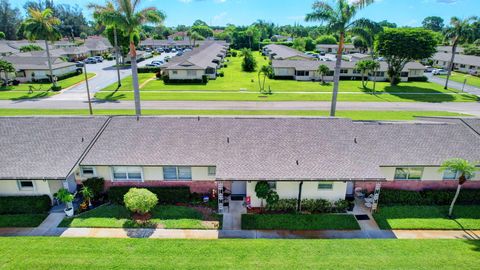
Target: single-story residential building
pixel 193 65
pixel 169 43
pixel 98 45
pixel 328 157
pixel 282 52
pixel 6 49
pixel 333 48
pixel 40 154
pixel 448 49
pixel 463 63
pixel 33 68
pixel 307 70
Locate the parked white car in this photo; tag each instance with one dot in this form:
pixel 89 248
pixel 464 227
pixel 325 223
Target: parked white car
pixel 439 72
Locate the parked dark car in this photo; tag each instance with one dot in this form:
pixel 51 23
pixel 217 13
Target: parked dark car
pixel 90 60
pixel 79 64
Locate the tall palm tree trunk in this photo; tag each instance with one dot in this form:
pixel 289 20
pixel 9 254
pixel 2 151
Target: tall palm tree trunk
pixel 336 76
pixel 451 64
pixel 50 63
pixel 374 80
pixel 116 56
pixel 136 88
pixel 450 210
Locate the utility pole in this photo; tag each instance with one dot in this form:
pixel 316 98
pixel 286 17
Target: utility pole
pixel 88 88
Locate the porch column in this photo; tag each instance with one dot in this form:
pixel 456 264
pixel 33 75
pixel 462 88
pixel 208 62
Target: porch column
pixel 376 196
pixel 299 201
pixel 220 197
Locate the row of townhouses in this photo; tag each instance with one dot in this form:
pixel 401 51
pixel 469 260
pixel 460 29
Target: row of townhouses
pixel 321 157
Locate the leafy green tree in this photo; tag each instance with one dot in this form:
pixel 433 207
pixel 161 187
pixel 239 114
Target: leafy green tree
pixel 464 169
pixel 2 35
pixel 387 24
pixel 323 70
pixel 265 71
pixel 140 200
pixel 83 36
pixel 128 18
pixel 472 50
pixel 249 64
pixel 30 48
pixel 326 39
pixel 6 67
pixel 10 19
pixel 339 19
pixel 262 190
pixel 43 25
pixel 299 44
pixel 458 32
pixel 402 45
pixel 309 44
pixel 203 30
pixel 433 23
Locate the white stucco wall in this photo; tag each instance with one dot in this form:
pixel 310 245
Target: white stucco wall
pixel 289 190
pixel 10 187
pixel 42 74
pixel 429 173
pixel 151 173
pixel 183 75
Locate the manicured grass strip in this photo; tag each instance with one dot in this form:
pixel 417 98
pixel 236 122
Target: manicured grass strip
pixel 22 220
pixel 40 89
pixel 116 216
pixel 460 77
pixel 428 217
pixel 52 253
pixel 252 96
pixel 356 115
pixel 299 222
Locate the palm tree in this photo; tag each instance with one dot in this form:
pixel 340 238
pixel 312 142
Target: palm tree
pixel 128 18
pixel 323 70
pixel 464 169
pixel 194 35
pixel 266 71
pixel 367 31
pixel 99 13
pixel 43 25
pixel 339 21
pixel 459 32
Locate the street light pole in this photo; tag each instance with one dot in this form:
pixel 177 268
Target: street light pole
pixel 88 88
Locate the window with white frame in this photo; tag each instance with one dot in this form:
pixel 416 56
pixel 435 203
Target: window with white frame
pixel 212 171
pixel 451 174
pixel 88 171
pixel 127 174
pixel 173 173
pixel 272 184
pixel 192 73
pixel 26 185
pixel 325 186
pixel 414 173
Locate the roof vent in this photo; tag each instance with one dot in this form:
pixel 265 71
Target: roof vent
pixel 198 118
pixel 355 140
pixel 228 139
pixel 297 162
pixel 83 139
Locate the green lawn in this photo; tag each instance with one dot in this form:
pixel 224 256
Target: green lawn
pixel 428 217
pixel 355 115
pixel 41 90
pixel 243 86
pixel 460 77
pixel 22 220
pixel 98 253
pixel 299 222
pixel 116 216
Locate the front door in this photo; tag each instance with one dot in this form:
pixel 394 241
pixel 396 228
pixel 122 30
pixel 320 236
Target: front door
pixel 239 188
pixel 350 188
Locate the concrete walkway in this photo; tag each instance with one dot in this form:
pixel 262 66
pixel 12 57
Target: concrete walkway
pixel 51 222
pixel 455 85
pixel 242 234
pixel 232 219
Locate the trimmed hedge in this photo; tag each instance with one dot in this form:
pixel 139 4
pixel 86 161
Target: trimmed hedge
pixel 309 205
pixel 428 197
pixel 165 195
pixel 148 69
pixel 61 77
pixel 299 222
pixel 418 79
pixel 25 204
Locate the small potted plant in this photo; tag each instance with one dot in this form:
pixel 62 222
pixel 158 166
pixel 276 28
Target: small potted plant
pixel 87 195
pixel 64 196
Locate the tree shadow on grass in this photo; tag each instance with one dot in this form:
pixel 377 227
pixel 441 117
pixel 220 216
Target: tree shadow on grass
pixel 113 96
pixel 32 96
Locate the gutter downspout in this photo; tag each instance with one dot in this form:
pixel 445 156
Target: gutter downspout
pixel 299 201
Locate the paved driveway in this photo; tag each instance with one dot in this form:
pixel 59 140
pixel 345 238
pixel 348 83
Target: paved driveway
pixel 106 74
pixel 455 85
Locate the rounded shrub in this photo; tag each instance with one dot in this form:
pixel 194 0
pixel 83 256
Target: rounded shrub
pixel 140 200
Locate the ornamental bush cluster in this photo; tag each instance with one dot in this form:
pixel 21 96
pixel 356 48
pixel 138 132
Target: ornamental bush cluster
pixel 140 200
pixel 428 197
pixel 309 205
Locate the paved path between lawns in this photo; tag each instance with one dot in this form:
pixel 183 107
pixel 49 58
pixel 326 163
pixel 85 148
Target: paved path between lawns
pixel 244 234
pixel 459 107
pixel 453 84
